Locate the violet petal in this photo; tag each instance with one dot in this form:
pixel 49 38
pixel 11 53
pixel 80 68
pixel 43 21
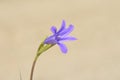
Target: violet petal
pixel 62 26
pixel 50 40
pixel 67 38
pixel 65 32
pixel 63 47
pixel 53 29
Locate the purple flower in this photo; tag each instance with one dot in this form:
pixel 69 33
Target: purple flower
pixel 60 36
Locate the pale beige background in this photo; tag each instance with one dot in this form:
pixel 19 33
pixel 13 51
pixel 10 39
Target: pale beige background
pixel 94 56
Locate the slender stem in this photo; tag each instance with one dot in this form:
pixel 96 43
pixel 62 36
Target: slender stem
pixel 33 66
pixel 41 49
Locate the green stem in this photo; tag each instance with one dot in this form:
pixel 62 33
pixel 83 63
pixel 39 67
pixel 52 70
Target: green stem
pixel 41 49
pixel 33 66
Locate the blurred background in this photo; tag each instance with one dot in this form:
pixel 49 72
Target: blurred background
pixel 94 56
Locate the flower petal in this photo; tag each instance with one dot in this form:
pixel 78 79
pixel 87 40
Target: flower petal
pixel 67 38
pixel 67 31
pixel 63 47
pixel 50 40
pixel 62 26
pixel 53 29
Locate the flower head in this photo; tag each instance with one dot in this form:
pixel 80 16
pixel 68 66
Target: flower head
pixel 60 36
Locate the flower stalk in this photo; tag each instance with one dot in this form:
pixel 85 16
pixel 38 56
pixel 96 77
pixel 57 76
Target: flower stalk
pixel 42 48
pixel 32 69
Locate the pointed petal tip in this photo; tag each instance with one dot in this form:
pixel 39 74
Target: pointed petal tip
pixel 71 26
pixel 63 24
pixel 53 29
pixel 74 38
pixel 64 52
pixel 63 20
